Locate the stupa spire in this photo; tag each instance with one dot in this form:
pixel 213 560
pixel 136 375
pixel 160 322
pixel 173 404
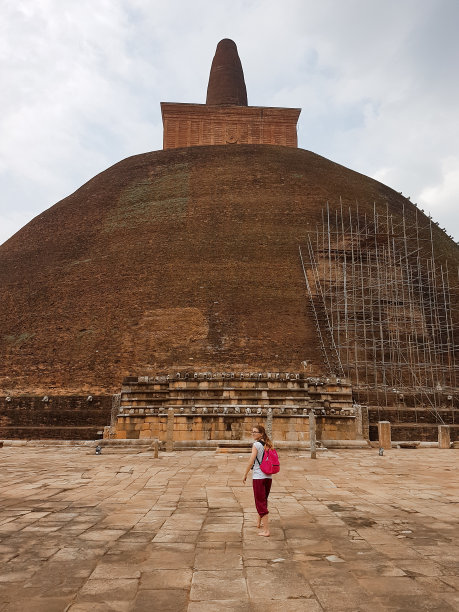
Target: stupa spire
pixel 226 80
pixel 226 118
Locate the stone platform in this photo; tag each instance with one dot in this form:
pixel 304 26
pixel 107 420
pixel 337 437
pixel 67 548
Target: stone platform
pixel 351 531
pixel 224 406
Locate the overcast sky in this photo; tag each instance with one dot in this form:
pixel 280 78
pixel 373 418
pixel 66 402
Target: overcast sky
pixel 81 82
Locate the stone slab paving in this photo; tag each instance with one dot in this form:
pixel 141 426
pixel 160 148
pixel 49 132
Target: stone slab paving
pixel 351 531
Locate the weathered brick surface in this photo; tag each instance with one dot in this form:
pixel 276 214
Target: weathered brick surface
pixel 409 424
pixel 420 416
pixel 189 125
pixel 62 417
pixel 413 432
pixel 171 258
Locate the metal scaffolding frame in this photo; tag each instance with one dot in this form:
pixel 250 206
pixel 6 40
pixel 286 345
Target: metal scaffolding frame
pixel 385 310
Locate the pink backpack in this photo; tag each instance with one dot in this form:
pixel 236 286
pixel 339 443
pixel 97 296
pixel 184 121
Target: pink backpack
pixel 270 463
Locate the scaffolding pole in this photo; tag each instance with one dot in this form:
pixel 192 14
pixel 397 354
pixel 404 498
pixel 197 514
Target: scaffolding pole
pixel 384 308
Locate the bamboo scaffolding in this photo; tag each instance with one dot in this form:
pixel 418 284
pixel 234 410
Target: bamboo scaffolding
pixel 385 308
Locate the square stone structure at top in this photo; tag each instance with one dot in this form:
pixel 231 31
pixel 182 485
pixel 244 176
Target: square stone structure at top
pixel 191 125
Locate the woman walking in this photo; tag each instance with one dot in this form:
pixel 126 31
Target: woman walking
pixel 261 482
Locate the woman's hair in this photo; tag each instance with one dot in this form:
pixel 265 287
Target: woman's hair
pixel 264 436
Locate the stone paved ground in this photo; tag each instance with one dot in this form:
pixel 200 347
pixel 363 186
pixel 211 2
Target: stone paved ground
pixel 350 531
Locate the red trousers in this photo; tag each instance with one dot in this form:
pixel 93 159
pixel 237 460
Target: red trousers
pixel 261 489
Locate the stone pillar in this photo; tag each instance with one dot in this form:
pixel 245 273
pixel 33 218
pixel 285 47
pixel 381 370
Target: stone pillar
pixel 269 423
pixel 312 434
pixel 116 404
pixel 361 422
pixel 444 438
pixel 170 430
pixel 365 422
pixel 358 421
pixel 384 434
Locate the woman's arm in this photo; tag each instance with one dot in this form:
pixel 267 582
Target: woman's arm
pixel 250 463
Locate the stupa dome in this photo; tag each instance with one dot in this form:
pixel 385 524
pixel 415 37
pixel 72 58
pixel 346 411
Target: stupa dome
pixel 183 258
pixel 190 258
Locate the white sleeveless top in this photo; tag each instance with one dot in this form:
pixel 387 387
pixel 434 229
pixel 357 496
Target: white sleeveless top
pixel 257 474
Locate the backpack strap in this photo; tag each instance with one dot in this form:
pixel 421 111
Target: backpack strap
pixel 256 458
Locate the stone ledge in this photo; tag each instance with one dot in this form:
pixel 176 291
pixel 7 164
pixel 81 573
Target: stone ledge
pixel 235 376
pixel 419 444
pixel 50 442
pixel 142 444
pixel 235 410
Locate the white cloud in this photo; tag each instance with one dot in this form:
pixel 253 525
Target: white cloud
pixel 444 194
pixel 82 84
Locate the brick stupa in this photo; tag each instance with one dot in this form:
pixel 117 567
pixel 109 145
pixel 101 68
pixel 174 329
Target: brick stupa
pixel 226 118
pixel 186 260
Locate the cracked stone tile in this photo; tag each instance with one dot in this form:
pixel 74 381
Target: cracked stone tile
pixel 215 585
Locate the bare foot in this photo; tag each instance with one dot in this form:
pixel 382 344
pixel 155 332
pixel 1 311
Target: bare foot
pixel 264 524
pixel 259 522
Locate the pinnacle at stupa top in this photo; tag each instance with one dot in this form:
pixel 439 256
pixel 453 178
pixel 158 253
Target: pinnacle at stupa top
pixel 226 80
pixel 226 118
